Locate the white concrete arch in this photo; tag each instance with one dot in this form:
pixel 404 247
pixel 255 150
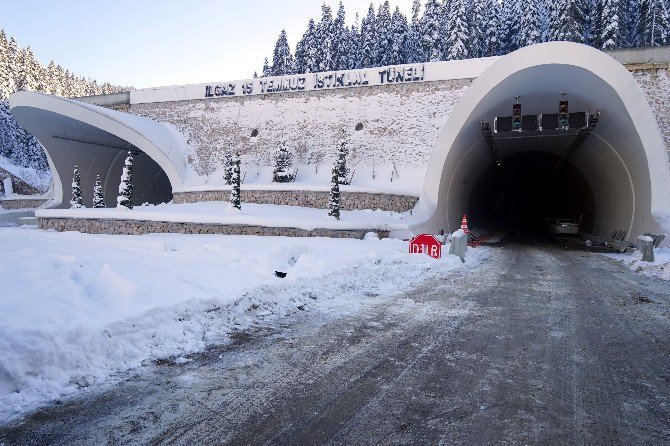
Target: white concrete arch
pixel 625 160
pixel 96 138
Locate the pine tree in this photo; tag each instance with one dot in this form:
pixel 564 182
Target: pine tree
pixel 654 23
pixel 432 32
pixel 267 72
pixel 355 49
pixel 341 161
pixel 235 193
pixel 334 199
pixel 76 202
pixel 509 26
pixel 613 30
pixel 399 35
pixel 567 21
pixel 368 36
pixel 125 198
pixel 413 44
pixel 282 59
pixel 383 36
pixel 458 32
pixel 228 166
pixel 491 17
pixel 283 162
pixel 324 36
pixel 98 195
pixel 340 35
pixel 529 29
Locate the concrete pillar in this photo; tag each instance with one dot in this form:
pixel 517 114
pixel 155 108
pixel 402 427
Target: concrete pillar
pixel 646 246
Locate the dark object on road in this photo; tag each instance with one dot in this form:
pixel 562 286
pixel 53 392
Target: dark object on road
pixel 280 274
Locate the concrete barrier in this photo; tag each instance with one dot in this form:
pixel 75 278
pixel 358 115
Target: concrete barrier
pixel 459 244
pixel 646 246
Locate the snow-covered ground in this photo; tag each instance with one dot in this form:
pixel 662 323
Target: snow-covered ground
pixel 217 212
pixel 77 310
pixel 36 178
pixel 659 268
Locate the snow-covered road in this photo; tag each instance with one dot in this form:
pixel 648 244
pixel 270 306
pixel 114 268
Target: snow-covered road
pixel 534 346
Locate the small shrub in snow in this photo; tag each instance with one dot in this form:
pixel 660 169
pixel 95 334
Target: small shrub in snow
pixel 334 201
pixel 98 196
pixel 125 198
pixel 228 167
pixel 283 163
pixel 76 202
pixel 235 195
pixel 341 163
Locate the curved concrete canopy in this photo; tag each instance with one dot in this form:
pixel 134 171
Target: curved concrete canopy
pixel 96 139
pixel 625 159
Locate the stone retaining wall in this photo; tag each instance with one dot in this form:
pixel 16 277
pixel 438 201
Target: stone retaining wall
pixel 312 199
pixel 22 204
pixel 137 227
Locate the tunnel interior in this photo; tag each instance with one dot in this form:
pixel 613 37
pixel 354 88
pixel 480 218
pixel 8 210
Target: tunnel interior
pixel 529 191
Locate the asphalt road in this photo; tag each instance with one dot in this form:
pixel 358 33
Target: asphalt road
pixel 538 346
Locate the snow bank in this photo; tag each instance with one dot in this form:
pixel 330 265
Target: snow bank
pixel 659 268
pixel 79 309
pixel 40 180
pixel 217 212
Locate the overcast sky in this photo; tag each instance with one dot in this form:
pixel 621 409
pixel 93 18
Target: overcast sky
pixel 148 43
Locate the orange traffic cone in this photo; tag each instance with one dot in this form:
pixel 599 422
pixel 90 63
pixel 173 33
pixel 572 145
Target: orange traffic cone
pixel 464 224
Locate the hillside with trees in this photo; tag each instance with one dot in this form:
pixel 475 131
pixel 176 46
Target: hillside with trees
pixel 21 71
pixel 462 29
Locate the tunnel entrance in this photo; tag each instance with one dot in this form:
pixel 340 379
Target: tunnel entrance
pixel 529 193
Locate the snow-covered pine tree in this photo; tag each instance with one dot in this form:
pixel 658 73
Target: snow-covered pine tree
pixel 228 166
pixel 324 37
pixel 267 71
pixel 567 21
pixel 235 192
pixel 340 34
pixel 341 161
pixel 491 25
pixel 76 202
pixel 509 26
pixel 306 51
pixel 334 199
pixel 98 195
pixel 613 27
pixel 355 49
pixel 399 35
pixel 282 59
pixel 458 33
pixel 6 87
pixel 283 163
pixel 631 11
pixel 529 28
pixel 654 23
pixel 383 36
pixel 368 36
pixel 432 33
pixel 125 198
pixel 413 45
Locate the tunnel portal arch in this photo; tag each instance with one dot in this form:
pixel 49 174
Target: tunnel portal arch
pixel 97 140
pixel 624 159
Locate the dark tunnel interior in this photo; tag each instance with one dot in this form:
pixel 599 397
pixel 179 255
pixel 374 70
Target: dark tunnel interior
pixel 529 193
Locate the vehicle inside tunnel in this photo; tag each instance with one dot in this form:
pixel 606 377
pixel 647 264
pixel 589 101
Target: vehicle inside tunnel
pixel 530 190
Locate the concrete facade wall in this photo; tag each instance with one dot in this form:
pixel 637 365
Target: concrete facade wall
pixel 311 199
pixel 135 227
pixel 400 123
